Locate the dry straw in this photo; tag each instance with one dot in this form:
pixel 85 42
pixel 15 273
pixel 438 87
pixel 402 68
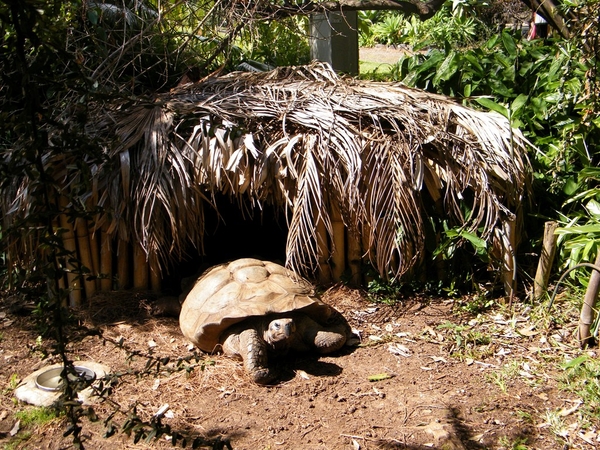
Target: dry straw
pixel 337 155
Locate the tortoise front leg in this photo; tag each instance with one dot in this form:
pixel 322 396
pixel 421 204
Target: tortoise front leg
pixel 325 339
pixel 248 345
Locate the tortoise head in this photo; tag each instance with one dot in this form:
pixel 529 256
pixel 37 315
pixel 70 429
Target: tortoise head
pixel 278 333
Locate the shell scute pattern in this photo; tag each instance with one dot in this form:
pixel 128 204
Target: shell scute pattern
pixel 230 293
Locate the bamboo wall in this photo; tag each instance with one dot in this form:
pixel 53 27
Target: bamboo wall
pixel 104 263
pixel 113 264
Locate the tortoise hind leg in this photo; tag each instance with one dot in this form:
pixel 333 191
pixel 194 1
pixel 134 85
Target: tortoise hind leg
pixel 250 346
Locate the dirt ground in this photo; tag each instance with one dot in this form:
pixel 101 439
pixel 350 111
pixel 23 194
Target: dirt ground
pixel 424 377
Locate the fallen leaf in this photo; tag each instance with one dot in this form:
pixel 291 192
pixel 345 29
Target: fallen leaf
pixel 15 429
pixel 399 349
pixel 566 412
pixel 303 374
pixel 589 437
pixel 380 377
pixel 525 374
pixel 530 331
pixel 438 359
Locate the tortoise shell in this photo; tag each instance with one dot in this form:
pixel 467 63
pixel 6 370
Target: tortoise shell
pixel 233 292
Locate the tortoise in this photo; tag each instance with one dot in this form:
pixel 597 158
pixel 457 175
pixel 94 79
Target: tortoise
pixel 253 309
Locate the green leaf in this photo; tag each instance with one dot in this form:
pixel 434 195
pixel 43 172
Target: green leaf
pixel 575 362
pixel 479 244
pixel 518 103
pixel 593 207
pixel 92 15
pixel 492 105
pixel 380 377
pixel 570 187
pixel 580 229
pixel 509 44
pixel 446 69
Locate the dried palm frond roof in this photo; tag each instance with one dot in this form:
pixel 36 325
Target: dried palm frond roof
pixel 304 139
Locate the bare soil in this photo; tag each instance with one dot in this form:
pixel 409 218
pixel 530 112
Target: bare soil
pixel 424 377
pixel 383 54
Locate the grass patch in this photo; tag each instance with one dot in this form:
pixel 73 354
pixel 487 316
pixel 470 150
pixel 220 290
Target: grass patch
pixel 505 376
pixel 377 71
pixel 30 419
pixel 36 416
pixel 582 377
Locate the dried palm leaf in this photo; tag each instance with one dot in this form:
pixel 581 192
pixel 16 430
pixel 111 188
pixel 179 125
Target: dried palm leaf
pixel 299 138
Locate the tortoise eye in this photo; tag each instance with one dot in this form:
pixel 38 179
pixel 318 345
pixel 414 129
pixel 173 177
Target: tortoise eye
pixel 276 325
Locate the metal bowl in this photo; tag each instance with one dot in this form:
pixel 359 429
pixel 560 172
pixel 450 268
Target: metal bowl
pixel 50 380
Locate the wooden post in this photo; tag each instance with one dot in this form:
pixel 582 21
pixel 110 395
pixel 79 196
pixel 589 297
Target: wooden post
pixel 123 265
pixel 85 255
pixel 105 259
pixel 338 254
pixel 546 260
pixel 323 253
pixel 68 237
pixel 140 267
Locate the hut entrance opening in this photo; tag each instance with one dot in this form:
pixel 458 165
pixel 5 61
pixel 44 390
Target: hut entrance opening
pixel 233 230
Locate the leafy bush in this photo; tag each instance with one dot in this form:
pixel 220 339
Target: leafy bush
pixel 278 42
pixel 543 88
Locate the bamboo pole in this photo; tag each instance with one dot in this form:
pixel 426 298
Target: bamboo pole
pixel 85 256
pixel 68 237
pixel 546 260
pixel 509 245
pixel 367 252
pixel 105 259
pixel 140 267
pixel 323 253
pixel 155 274
pixel 123 265
pixel 354 258
pixel 587 315
pixel 338 254
pixel 95 253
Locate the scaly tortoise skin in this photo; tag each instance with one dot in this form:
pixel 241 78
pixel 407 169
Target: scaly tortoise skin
pixel 251 308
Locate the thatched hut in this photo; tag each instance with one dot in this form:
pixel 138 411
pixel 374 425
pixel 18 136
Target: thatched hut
pixel 350 168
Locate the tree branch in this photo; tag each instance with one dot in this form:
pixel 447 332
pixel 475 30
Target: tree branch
pixel 423 9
